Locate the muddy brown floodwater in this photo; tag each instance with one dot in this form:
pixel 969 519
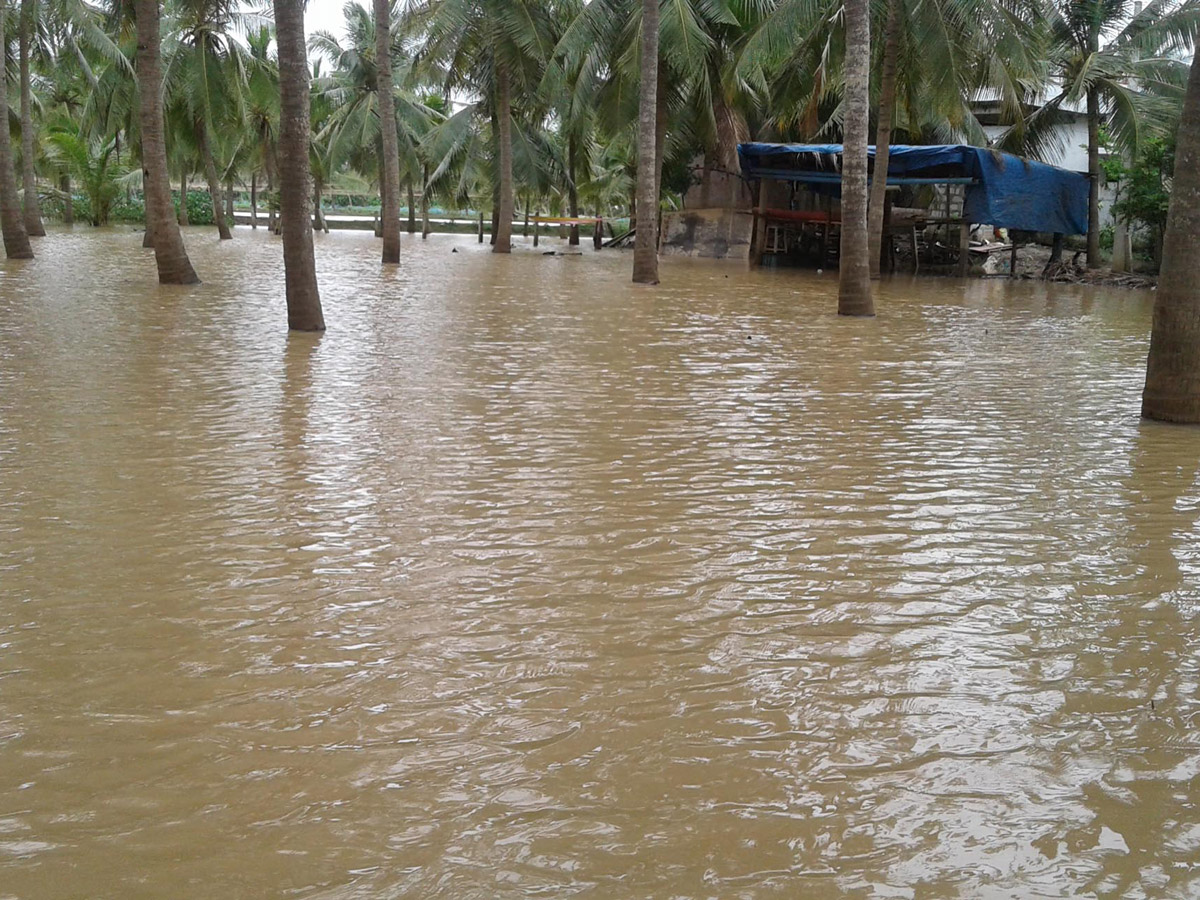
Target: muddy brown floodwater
pixel 522 582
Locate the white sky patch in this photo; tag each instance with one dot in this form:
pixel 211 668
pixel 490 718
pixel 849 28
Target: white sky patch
pixel 325 15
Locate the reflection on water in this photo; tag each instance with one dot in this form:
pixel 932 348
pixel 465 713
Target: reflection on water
pixel 523 582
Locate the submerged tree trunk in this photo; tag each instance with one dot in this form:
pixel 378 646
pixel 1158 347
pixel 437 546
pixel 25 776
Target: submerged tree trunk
pixel 254 200
pixel 214 184
pixel 16 238
pixel 883 138
pixel 272 200
pixel 645 249
pixel 572 190
pixel 68 200
pixel 412 208
pixel 31 210
pixel 504 116
pixel 1093 235
pixel 318 220
pixel 174 267
pixel 1056 252
pixel 299 263
pixel 389 184
pixel 1172 391
pixel 183 192
pixel 854 277
pixel 661 120
pixel 425 203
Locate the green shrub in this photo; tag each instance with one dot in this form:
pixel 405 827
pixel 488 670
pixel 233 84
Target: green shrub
pixel 124 209
pixel 199 207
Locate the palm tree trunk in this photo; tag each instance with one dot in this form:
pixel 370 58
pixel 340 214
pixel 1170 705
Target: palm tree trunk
pixel 425 203
pixel 299 263
pixel 68 200
pixel 214 184
pixel 883 137
pixel 1093 235
pixel 318 220
pixel 504 116
pixel 254 200
pixel 572 189
pixel 183 192
pixel 170 255
pixel 389 185
pixel 854 281
pixel 1172 391
pixel 32 212
pixel 272 200
pixel 495 201
pixel 661 120
pixel 16 238
pixel 645 249
pixel 412 208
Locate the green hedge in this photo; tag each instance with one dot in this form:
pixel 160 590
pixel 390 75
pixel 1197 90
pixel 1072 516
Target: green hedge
pixel 131 210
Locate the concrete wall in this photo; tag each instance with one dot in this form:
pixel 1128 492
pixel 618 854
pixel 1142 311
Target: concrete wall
pixel 707 233
pixel 718 190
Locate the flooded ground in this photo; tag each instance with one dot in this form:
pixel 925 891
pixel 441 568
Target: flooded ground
pixel 522 582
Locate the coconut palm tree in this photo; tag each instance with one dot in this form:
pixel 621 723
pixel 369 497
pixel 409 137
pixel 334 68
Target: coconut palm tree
pixel 174 267
pixel 208 67
pixel 303 295
pixel 703 101
pixel 883 135
pixel 92 164
pixel 932 59
pixel 73 44
pixel 261 117
pixel 1172 391
pixel 323 151
pixel 854 282
pixel 389 182
pixel 16 239
pixel 498 50
pixel 645 251
pixel 351 130
pixel 32 213
pixel 1117 63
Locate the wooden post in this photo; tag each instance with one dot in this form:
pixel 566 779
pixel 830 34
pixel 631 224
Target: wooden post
pixel 758 233
pixel 885 239
pixel 481 226
pixel 537 228
pixel 949 212
pixel 964 247
pixel 598 235
pixel 825 235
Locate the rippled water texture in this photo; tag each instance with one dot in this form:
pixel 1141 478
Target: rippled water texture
pixel 522 582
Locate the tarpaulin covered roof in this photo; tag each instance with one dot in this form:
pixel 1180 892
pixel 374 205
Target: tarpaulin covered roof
pixel 1001 189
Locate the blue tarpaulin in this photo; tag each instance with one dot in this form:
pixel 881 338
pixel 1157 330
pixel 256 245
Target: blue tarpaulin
pixel 1001 189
